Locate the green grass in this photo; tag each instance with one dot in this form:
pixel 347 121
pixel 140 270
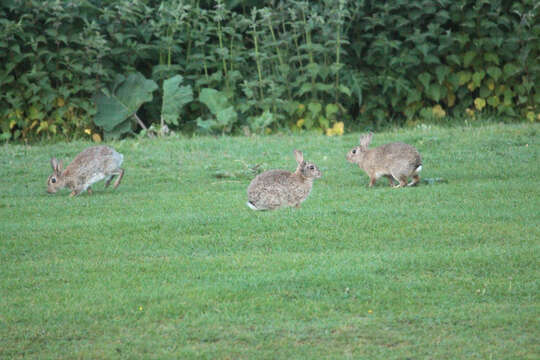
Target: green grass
pixel 174 265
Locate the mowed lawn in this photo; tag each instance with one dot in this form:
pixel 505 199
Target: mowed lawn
pixel 173 264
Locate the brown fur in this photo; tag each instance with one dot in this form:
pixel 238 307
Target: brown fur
pixel 275 188
pixel 91 165
pixel 397 161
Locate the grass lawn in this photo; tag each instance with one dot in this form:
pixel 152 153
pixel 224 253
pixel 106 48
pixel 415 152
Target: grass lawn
pixel 173 264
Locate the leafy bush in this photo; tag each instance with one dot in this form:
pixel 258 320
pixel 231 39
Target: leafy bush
pixel 277 64
pixel 424 58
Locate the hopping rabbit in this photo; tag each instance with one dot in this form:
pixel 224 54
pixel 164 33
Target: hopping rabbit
pixel 90 166
pixel 397 161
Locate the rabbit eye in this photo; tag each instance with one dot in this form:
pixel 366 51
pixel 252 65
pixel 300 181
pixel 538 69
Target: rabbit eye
pixel 53 180
pixel 354 151
pixel 311 167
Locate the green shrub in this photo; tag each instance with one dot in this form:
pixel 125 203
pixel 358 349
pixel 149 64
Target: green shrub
pixel 279 65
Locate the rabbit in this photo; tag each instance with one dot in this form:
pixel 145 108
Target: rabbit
pixel 91 165
pixel 394 161
pixel 275 188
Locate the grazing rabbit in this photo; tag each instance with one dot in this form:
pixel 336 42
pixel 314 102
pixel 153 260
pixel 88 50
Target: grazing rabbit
pixel 91 165
pixel 394 161
pixel 275 188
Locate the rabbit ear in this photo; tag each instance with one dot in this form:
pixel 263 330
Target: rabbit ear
pixel 299 156
pixel 56 165
pixel 365 140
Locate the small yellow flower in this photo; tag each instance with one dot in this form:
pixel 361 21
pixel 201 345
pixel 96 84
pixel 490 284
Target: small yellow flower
pixel 438 111
pixel 479 103
pixel 491 84
pixel 88 131
pixel 300 122
pixel 337 129
pixel 140 308
pixel 370 311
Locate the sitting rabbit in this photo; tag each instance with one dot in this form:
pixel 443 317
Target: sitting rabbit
pixel 276 188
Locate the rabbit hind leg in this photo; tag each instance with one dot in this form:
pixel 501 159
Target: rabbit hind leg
pixel 415 181
pixel 120 176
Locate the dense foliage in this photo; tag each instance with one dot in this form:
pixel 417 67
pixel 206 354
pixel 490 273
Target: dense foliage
pixel 294 64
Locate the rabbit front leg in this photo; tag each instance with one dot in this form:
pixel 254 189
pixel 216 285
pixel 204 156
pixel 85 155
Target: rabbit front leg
pixel 77 191
pixel 402 181
pixel 109 179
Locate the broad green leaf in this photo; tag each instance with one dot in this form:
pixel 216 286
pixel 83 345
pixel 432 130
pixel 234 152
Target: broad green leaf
pixel 413 96
pixel 226 117
pixel 331 110
pixel 478 77
pixel 128 95
pixel 174 99
pixel 431 59
pixel 119 130
pixel 214 100
pixel 436 92
pixel 453 59
pixel 218 104
pixel 510 70
pixel 508 95
pixel 494 72
pixel 442 71
pixel 453 79
pixel 324 87
pixel 491 57
pixel 323 123
pixel 305 88
pixel 484 91
pixel 493 101
pixel 259 123
pixel 468 58
pixel 425 78
pixel 345 90
pixel 314 108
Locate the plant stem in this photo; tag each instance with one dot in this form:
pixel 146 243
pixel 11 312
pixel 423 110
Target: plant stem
pixel 139 121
